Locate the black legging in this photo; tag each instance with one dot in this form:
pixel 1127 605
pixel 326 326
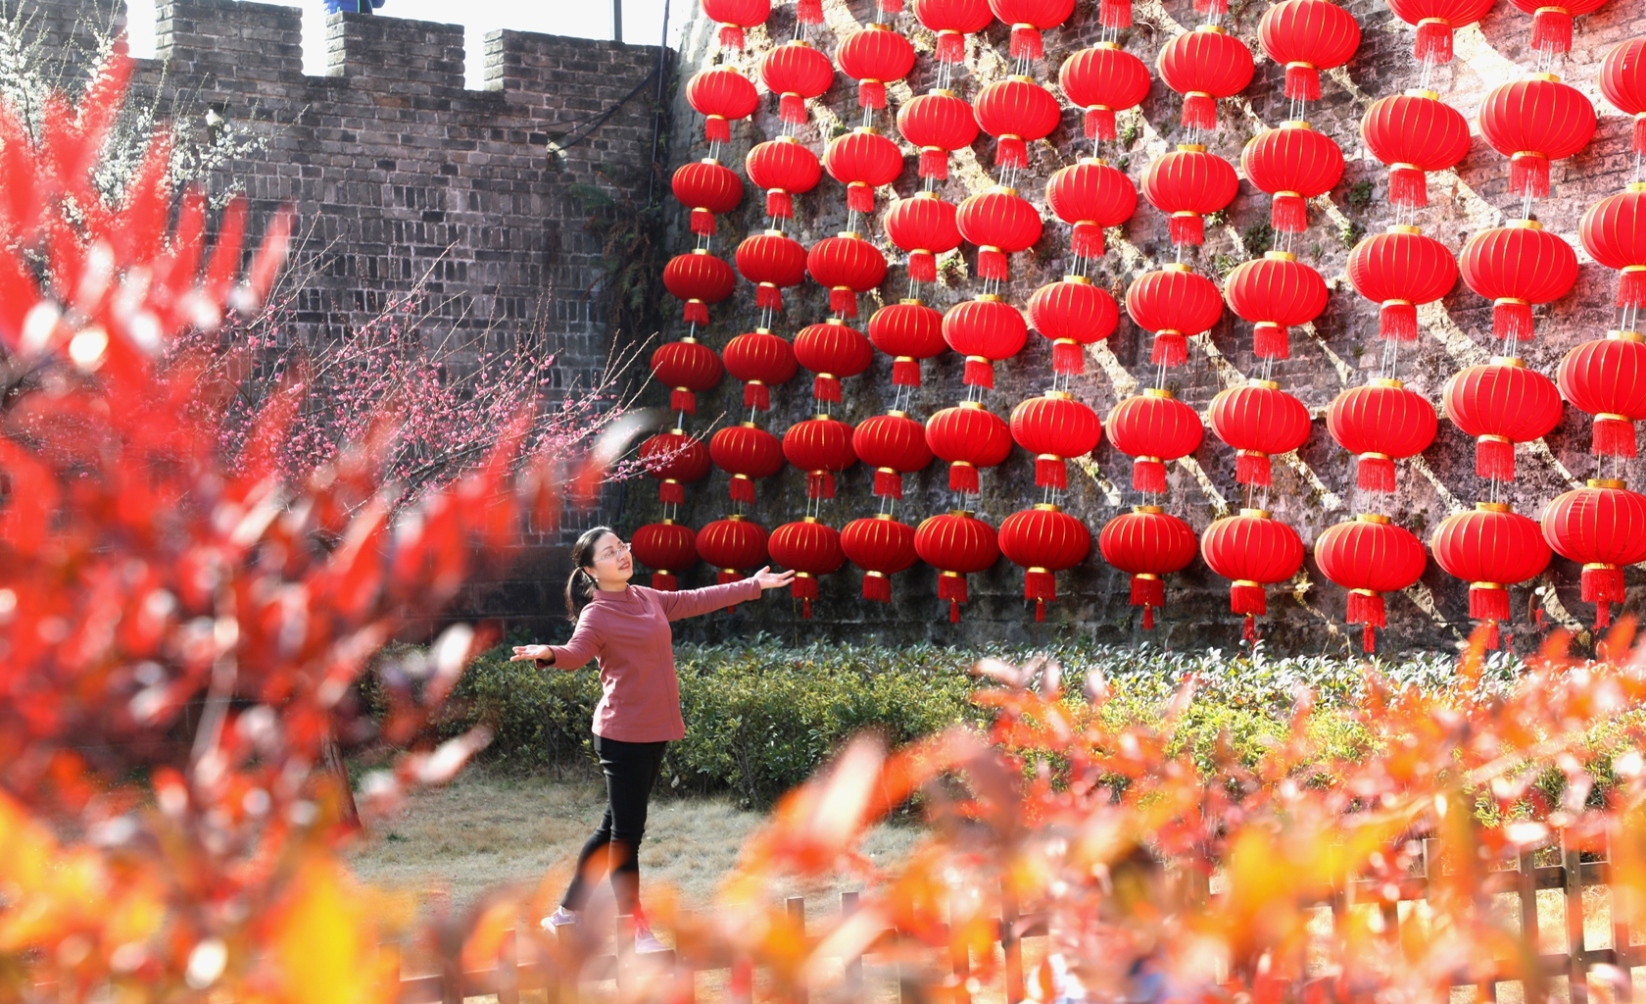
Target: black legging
pixel 631 769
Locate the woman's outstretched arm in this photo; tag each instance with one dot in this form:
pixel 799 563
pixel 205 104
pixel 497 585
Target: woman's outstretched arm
pixel 691 602
pixel 583 645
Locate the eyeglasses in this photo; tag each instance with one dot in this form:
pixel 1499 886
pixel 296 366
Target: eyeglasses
pixel 613 551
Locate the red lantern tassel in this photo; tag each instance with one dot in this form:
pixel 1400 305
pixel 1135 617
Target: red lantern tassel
pixel 1408 186
pixel 681 399
pixel 979 373
pixel 1289 214
pixel 1367 608
pixel 1631 287
pixel 951 46
pixel 1397 321
pixel 1199 111
pixel 1640 133
pixel 1377 473
pixel 1249 633
pixel 1248 598
pixel 757 395
pixel 1087 241
pixel 1434 41
pixel 1011 151
pixel 1050 472
pixel 1488 603
pixel 804 589
pixel 1115 13
pixel 1041 586
pixel 906 371
pixel 768 296
pixel 1511 318
pixel 808 11
pixel 991 264
pixel 1026 42
pixel 1212 6
pixel 1614 436
pixel 825 387
pixel 891 6
pixel 1494 458
pixel 871 94
pixel 742 489
pixel 1271 341
pixel 731 36
pixel 1552 29
pixel 717 130
pixel 951 586
pixel 696 312
pixel 665 582
pixel 726 575
pixel 1186 228
pixel 779 204
pixel 1099 123
pixel 1253 468
pixel 1302 82
pixel 963 478
pixel 1170 349
pixel 1149 475
pixel 791 108
pixel 922 266
pixel 843 301
pixel 1603 585
pixel 1529 174
pixel 819 485
pixel 934 162
pixel 1067 357
pixel 888 483
pixel 1148 618
pixel 860 197
pixel 702 222
pixel 877 586
pixel 671 492
pixel 1148 592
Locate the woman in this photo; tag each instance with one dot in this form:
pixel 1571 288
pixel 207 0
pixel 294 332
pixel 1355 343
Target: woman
pixel 626 628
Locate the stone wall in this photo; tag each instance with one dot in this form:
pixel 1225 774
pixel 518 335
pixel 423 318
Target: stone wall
pixel 1313 489
pixel 397 171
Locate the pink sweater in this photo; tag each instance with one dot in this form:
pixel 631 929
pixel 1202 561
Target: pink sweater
pixel 628 632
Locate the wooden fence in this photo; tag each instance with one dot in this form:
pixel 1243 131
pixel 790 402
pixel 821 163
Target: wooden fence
pixel 1570 874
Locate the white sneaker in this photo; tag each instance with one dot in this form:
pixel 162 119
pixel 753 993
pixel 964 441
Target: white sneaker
pixel 645 942
pixel 558 919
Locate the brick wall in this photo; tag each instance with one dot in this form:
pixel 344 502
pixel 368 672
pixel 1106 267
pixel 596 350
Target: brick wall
pixel 1312 490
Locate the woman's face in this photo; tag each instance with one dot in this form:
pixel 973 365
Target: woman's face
pixel 611 562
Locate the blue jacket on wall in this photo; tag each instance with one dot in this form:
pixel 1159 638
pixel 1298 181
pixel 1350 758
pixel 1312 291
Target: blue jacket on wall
pixel 351 6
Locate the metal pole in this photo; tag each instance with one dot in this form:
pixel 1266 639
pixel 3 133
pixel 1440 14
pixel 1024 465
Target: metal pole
pixel 617 20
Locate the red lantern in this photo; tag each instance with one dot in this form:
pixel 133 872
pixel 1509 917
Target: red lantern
pixel 698 278
pixel 1411 134
pixel 1369 556
pixel 957 544
pixel 772 261
pixel 1275 293
pixel 1148 544
pixel 1399 270
pixel 811 548
pixel 1607 379
pixel 1435 21
pixel 924 226
pixel 667 548
pixel 1614 233
pixel 1623 81
pixel 1091 196
pixel 707 188
pixel 1103 80
pixel 1255 551
pixel 1176 304
pixel 953 20
pixel 1188 184
pixel 894 445
pixel 863 160
pixel 1532 122
pixel 1016 111
pixel 822 447
pixel 746 452
pixel 1028 19
pixel 984 330
pixel 687 367
pixel 733 545
pixel 784 167
pixel 938 123
pixel 1552 22
pixel 1054 428
pixel 846 265
pixel 908 331
pixel 1516 267
pixel 882 547
pixel 762 361
pixel 1307 36
pixel 721 95
pixel 874 57
pixel 1491 548
pixel 1603 528
pixel 1292 164
pixel 1500 405
pixel 833 352
pixel 736 15
pixel 1380 423
pixel 968 437
pixel 1044 541
pixel 1258 420
pixel 1072 313
pixel 1204 65
pixel 1153 428
pixel 999 222
pixel 675 460
pixel 795 71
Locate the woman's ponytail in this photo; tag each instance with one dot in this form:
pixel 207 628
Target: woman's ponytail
pixel 580 584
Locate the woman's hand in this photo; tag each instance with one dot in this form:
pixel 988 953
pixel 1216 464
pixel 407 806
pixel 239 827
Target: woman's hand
pixel 769 579
pixel 531 653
